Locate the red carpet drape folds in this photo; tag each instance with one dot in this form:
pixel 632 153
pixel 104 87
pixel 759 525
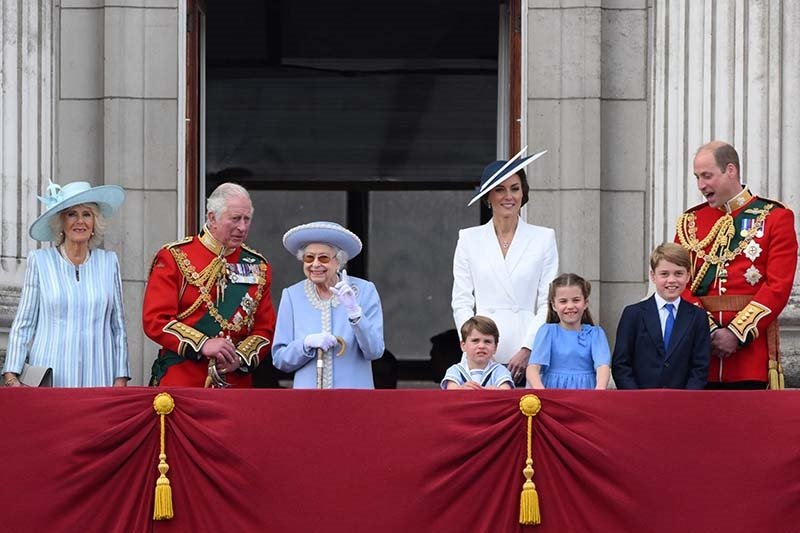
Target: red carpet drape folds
pixel 347 461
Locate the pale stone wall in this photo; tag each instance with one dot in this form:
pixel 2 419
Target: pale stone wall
pixel 620 91
pixel 28 37
pixel 587 104
pixel 115 75
pixel 730 71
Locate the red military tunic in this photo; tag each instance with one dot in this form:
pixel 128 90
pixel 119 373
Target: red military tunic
pixel 184 307
pixel 744 259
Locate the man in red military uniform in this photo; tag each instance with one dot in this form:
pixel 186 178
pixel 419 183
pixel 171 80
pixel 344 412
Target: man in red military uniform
pixel 744 252
pixel 207 301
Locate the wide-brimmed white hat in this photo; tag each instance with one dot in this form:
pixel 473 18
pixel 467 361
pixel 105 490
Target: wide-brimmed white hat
pixel 322 232
pixel 497 172
pixel 107 197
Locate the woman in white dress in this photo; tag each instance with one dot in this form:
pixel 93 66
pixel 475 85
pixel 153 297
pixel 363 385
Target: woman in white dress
pixel 503 268
pixel 70 315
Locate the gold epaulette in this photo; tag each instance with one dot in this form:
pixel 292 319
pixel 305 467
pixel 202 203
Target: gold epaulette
pixel 776 202
pixel 167 247
pixel 185 240
pixel 255 252
pixel 696 207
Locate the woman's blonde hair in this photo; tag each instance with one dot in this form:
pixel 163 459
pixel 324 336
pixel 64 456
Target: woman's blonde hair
pixel 98 231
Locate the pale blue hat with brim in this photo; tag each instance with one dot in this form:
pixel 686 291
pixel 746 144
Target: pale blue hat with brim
pixel 107 197
pixel 322 232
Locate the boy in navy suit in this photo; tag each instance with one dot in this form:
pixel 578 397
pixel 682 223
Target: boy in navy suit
pixel 663 341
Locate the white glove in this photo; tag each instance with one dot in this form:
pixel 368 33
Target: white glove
pixel 347 297
pixel 326 341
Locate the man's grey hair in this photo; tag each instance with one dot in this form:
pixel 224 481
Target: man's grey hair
pixel 219 198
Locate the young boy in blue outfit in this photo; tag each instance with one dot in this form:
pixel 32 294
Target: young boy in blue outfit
pixel 663 341
pixel 479 336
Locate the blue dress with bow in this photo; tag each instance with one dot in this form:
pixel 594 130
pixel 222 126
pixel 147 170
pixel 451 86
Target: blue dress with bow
pixel 570 358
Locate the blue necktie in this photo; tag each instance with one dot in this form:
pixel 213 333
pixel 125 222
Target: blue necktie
pixel 669 325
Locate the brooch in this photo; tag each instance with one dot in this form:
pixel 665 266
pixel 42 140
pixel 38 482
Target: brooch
pixel 752 275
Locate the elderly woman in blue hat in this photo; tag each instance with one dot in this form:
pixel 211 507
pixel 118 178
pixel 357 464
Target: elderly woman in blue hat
pixel 503 268
pixel 330 326
pixel 70 316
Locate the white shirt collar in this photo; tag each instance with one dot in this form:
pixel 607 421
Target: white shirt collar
pixel 660 302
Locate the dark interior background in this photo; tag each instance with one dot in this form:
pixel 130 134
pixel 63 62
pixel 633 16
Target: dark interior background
pixel 376 115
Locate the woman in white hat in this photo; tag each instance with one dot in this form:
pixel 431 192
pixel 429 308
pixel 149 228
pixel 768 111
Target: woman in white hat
pixel 503 268
pixel 330 326
pixel 70 314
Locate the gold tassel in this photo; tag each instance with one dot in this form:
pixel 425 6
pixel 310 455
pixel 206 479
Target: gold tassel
pixel 774 378
pixel 529 514
pixel 162 506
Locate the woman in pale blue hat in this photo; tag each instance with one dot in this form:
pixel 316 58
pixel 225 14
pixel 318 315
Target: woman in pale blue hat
pixel 330 325
pixel 70 316
pixel 503 268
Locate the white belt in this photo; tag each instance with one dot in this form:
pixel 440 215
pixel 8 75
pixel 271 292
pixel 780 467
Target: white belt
pixel 513 309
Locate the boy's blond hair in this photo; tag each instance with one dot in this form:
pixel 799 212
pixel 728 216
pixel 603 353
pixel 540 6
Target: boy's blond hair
pixel 673 253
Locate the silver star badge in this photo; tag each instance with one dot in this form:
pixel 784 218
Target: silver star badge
pixel 752 275
pixel 752 250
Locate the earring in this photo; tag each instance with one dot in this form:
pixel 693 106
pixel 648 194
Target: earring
pixel 92 234
pixel 61 234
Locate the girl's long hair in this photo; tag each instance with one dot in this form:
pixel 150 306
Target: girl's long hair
pixel 568 280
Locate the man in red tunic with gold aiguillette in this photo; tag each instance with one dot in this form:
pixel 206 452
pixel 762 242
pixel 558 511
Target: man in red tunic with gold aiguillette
pixel 744 251
pixel 207 301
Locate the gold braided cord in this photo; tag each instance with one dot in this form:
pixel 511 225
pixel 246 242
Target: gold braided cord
pixel 205 280
pixel 529 511
pixel 163 404
pixel 719 237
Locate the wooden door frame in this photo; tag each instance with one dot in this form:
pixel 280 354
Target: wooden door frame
pixel 515 64
pixel 195 15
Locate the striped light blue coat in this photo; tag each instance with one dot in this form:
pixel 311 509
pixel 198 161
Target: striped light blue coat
pixel 75 327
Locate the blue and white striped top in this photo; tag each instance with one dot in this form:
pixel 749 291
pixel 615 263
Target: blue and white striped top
pixel 77 328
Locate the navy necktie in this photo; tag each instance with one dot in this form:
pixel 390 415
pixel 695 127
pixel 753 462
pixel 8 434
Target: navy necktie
pixel 669 325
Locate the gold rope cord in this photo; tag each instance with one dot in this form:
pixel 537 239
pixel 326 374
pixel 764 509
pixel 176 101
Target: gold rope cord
pixel 529 514
pixel 163 404
pixel 205 280
pixel 721 234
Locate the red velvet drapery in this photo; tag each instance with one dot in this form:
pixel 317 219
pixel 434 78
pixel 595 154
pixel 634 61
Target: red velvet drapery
pixel 345 461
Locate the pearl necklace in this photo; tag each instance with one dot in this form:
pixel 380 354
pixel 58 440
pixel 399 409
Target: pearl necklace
pixel 63 253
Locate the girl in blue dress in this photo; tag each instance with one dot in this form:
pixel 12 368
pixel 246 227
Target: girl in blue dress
pixel 569 351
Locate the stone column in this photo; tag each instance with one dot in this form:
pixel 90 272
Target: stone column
pixel 26 138
pixel 730 71
pixel 587 90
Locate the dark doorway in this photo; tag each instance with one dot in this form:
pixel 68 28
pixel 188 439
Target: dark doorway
pixel 376 115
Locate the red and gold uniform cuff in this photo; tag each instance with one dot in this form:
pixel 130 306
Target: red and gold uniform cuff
pixel 190 340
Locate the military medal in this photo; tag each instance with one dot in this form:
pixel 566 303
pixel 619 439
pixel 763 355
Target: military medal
pixel 747 224
pixel 243 273
pixel 752 250
pixel 752 275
